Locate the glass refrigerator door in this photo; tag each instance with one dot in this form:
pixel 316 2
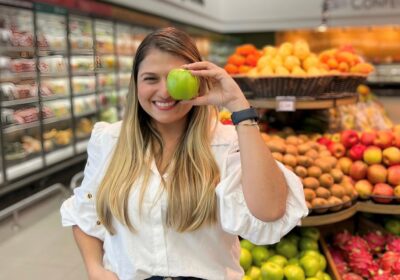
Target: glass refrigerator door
pixel 20 124
pixel 83 78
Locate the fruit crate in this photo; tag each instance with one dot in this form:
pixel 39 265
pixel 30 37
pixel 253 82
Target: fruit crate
pixel 299 86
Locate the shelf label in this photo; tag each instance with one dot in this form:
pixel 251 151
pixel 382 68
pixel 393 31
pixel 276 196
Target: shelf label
pixel 285 103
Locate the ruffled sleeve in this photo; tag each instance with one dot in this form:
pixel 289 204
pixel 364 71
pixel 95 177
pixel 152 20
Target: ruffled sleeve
pixel 80 208
pixel 235 216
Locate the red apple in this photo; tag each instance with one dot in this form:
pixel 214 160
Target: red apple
pixel 376 173
pixel 384 139
pixel 349 138
pixel 345 164
pixel 356 152
pixel 368 137
pixel 364 188
pixel 324 141
pixel 391 156
pixel 382 193
pixel 337 149
pixel 358 170
pixel 372 155
pixel 393 177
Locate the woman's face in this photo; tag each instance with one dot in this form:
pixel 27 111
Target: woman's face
pixel 152 90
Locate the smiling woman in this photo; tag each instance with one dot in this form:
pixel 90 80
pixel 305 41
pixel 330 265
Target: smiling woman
pixel 168 190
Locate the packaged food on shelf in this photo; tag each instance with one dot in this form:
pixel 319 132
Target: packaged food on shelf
pixel 125 63
pixel 106 62
pixel 84 104
pixel 84 127
pixel 59 108
pixel 81 34
pixel 84 84
pixel 11 91
pixel 51 87
pixel 17 27
pixel 124 80
pixel 55 64
pixel 82 64
pixel 53 38
pixel 106 80
pixel 20 65
pixel 104 36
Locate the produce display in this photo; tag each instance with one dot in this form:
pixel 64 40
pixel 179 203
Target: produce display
pixel 296 257
pixel 367 114
pixel 326 184
pixel 371 159
pixel 371 255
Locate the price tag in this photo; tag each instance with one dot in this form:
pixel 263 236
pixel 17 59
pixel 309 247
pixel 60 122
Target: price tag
pixel 285 103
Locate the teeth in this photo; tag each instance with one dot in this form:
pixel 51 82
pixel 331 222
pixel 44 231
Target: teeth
pixel 165 104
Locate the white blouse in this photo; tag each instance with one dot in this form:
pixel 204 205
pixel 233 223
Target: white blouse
pixel 211 252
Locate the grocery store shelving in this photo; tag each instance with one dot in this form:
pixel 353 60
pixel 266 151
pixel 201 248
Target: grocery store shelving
pixel 74 64
pixel 304 103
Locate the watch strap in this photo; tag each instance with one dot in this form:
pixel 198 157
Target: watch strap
pixel 246 114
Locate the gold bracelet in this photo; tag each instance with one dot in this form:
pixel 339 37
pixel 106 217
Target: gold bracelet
pixel 248 123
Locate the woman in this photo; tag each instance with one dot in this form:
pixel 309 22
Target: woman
pixel 167 191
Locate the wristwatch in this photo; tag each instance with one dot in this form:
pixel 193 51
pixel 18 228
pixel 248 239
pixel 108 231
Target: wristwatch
pixel 246 114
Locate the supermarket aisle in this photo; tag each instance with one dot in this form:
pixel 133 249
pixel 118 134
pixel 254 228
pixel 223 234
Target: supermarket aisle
pixel 41 249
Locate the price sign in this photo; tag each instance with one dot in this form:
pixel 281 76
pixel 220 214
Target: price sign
pixel 285 103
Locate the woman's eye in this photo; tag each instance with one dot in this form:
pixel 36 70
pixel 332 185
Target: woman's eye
pixel 149 78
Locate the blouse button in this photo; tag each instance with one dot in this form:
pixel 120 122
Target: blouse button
pixel 89 195
pixel 98 223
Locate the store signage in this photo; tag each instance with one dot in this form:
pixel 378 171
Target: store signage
pixel 285 103
pixel 358 5
pixel 17 3
pixel 41 7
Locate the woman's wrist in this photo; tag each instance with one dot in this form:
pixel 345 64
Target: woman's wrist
pixel 237 105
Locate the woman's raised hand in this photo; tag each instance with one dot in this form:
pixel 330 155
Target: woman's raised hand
pixel 224 92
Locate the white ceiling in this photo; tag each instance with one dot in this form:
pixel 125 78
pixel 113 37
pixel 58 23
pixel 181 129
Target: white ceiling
pixel 231 16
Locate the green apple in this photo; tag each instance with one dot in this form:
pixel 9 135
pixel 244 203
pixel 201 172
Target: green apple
pixel 260 254
pixel 393 226
pixel 246 258
pixel 307 243
pixel 246 277
pixel 322 262
pixel 310 232
pixel 182 85
pixel 244 243
pixel 279 260
pixel 254 273
pixel 294 272
pixel 310 253
pixel 293 238
pixel 271 271
pixel 294 261
pixel 327 276
pixel 312 278
pixel 286 248
pixel 319 275
pixel 310 265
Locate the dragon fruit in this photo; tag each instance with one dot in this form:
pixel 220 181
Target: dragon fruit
pixel 341 238
pixel 387 260
pixel 351 276
pixel 393 245
pixel 396 267
pixel 339 261
pixel 356 243
pixel 376 241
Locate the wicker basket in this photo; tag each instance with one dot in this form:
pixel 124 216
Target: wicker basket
pixel 272 86
pixel 241 80
pixel 345 84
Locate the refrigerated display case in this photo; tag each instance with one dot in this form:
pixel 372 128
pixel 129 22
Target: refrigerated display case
pixel 55 83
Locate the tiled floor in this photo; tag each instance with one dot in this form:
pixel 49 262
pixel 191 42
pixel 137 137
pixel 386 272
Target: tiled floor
pixel 40 248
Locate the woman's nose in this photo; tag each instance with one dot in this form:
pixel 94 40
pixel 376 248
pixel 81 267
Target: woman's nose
pixel 163 89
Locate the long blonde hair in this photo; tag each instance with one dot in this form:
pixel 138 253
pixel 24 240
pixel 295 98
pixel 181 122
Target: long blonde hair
pixel 194 174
